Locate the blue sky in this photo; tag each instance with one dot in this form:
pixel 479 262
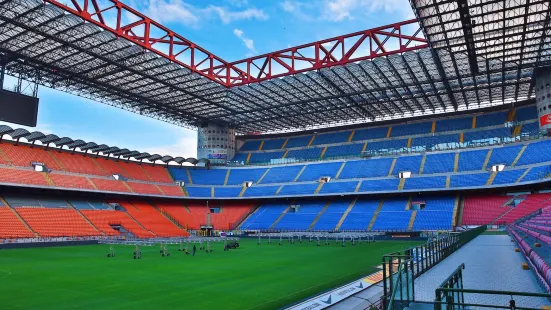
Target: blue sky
pixel 231 29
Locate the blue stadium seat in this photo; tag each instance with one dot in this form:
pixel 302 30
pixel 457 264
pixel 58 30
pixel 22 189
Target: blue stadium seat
pixel 282 174
pixel 537 173
pixel 526 113
pixel 208 177
pixel 195 191
pixel 251 145
pixel 265 157
pixel 298 189
pixel 339 187
pixel 491 119
pixel 491 135
pixel 331 217
pixel 425 182
pixel 433 220
pixel 227 191
pixel 343 150
pixel 530 129
pixel 407 163
pixel 379 185
pixel 298 141
pixel 313 172
pixel 302 219
pixel 238 176
pixel 535 153
pixel 504 155
pixel 366 168
pixel 240 157
pixel 453 124
pixel 370 133
pixel 508 176
pixel 264 216
pixel 273 144
pixel 436 141
pixel 392 220
pixel 308 153
pixel 387 144
pixel 178 174
pixel 411 129
pixel 439 163
pixel 332 137
pixel 80 205
pixel 469 180
pixel 359 217
pixel 396 204
pixel 471 160
pixel 261 191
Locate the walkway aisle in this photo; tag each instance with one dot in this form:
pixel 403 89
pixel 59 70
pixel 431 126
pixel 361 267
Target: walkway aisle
pixel 491 263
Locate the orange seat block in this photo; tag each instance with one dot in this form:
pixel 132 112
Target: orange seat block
pixel 19 176
pixel 22 155
pixel 103 220
pixel 71 181
pixel 153 220
pixel 109 185
pixel 169 190
pixel 11 226
pixel 144 188
pixel 158 173
pixel 79 163
pixel 54 222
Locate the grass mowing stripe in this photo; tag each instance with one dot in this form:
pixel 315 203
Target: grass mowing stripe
pixel 254 276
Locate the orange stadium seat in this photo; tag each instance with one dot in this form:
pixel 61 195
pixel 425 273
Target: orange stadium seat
pixel 230 213
pixel 183 215
pixel 79 163
pixel 13 175
pixel 11 226
pixel 157 173
pixel 21 155
pixel 109 185
pixel 102 220
pixel 71 181
pixel 110 166
pixel 63 222
pixel 144 188
pixel 133 171
pixel 169 190
pixel 153 219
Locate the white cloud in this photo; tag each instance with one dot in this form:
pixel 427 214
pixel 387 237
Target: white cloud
pixel 249 43
pixel 298 9
pixel 185 147
pixel 238 3
pixel 338 10
pixel 172 11
pixel 230 16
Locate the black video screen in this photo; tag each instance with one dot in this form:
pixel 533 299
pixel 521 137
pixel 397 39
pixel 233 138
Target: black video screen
pixel 18 109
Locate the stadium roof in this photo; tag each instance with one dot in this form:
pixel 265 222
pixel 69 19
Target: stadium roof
pixel 378 74
pixel 90 147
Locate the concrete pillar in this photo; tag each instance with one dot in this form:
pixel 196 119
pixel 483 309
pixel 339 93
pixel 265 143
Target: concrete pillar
pixel 215 143
pixel 542 79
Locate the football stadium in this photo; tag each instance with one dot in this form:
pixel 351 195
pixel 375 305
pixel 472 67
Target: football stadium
pixel 405 166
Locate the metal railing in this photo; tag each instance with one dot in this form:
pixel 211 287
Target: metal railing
pixel 423 258
pixel 453 298
pixel 455 280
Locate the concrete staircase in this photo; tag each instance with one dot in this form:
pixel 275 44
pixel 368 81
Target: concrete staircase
pixel 318 216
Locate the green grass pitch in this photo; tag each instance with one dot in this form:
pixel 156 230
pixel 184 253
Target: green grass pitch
pixel 267 276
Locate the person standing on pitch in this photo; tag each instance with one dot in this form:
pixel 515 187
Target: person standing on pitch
pixel 194 250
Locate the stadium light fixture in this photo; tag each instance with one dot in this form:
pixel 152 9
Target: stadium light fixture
pixel 39 167
pixel 404 174
pixel 498 168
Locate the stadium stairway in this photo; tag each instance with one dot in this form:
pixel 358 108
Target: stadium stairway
pixel 345 214
pixel 318 216
pixel 18 217
pixel 374 218
pixel 85 218
pixel 282 213
pixel 168 216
